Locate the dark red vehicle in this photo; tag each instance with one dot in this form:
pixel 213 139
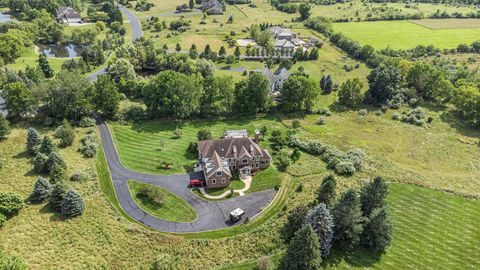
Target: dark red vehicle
pixel 197 183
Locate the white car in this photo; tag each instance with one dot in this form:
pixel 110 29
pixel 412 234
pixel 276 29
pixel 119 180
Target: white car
pixel 236 215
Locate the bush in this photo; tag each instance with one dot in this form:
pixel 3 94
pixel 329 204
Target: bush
pixel 178 133
pixel 134 113
pixel 10 203
pixel 66 134
pixel 89 145
pixel 263 263
pixel 41 191
pixel 3 219
pixel 78 176
pixel 72 204
pixel 345 168
pixel 296 124
pixel 87 122
pixel 415 117
pixel 378 112
pixel 396 116
pixel 362 112
pixel 321 121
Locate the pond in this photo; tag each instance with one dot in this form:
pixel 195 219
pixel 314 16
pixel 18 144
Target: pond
pixel 60 50
pixel 4 17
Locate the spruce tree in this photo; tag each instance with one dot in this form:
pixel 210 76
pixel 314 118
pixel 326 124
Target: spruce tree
pixel 237 52
pixel 222 51
pixel 72 204
pixel 56 197
pixel 45 66
pixel 57 173
pixel 303 253
pixel 327 191
pixel 47 145
pixel 53 160
pixel 4 127
pixel 191 4
pixel 377 234
pixel 41 191
pixel 296 219
pixel 373 195
pixel 348 220
pixel 322 223
pixel 34 139
pixel 40 163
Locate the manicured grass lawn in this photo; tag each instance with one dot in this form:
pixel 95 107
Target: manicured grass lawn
pixel 405 34
pixel 173 208
pixel 234 184
pixel 266 179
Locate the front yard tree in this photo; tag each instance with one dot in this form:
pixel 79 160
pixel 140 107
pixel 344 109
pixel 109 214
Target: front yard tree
pixel 322 223
pixel 251 95
pixel 34 140
pixel 72 204
pixel 45 66
pixel 41 191
pixel 373 195
pixel 305 10
pixel 327 191
pixel 377 234
pixel 56 197
pixel 303 252
pixel 295 221
pixel 350 93
pixel 348 219
pixel 4 127
pixel 106 98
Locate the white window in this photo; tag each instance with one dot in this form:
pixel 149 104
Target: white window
pixel 223 180
pixel 214 181
pixel 219 173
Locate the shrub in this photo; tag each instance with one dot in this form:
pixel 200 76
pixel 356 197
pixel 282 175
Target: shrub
pixel 178 133
pixel 72 204
pixel 56 196
pixel 41 191
pixel 296 124
pixel 134 113
pixel 325 111
pixel 88 145
pixel 378 112
pixel 415 117
pixel 152 194
pixel 87 122
pixel 66 134
pixel 321 121
pixel 396 116
pixel 10 203
pixel 362 112
pixel 204 134
pixel 263 263
pixel 345 168
pixel 3 219
pixel 39 163
pixel 78 176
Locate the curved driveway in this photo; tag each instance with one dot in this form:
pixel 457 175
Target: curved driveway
pixel 211 215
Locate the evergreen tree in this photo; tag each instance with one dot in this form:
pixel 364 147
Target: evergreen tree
pixel 34 140
pixel 326 84
pixel 322 223
pixel 348 220
pixel 45 66
pixel 53 160
pixel 47 145
pixel 303 253
pixel 72 204
pixel 178 48
pixel 58 173
pixel 373 195
pixel 41 191
pixel 39 163
pixel 327 191
pixel 56 197
pixel 4 127
pixel 237 52
pixel 296 219
pixel 222 51
pixel 314 54
pixel 191 4
pixel 377 234
pixel 193 52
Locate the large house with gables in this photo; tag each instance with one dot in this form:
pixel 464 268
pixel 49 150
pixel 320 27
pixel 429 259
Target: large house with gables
pixel 235 152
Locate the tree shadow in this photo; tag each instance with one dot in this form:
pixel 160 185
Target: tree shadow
pixel 21 155
pixel 455 121
pixel 357 257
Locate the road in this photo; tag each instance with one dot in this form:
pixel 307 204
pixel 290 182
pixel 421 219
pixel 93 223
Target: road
pixel 136 34
pixel 211 215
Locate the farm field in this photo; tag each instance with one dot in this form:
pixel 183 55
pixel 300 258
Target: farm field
pixel 447 23
pixel 405 35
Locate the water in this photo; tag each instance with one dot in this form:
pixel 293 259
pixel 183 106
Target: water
pixel 60 50
pixel 4 17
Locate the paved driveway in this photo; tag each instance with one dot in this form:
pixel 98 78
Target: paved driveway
pixel 211 215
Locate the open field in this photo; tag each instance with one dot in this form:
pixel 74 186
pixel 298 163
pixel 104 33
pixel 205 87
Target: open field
pixel 448 23
pixel 173 208
pixel 405 34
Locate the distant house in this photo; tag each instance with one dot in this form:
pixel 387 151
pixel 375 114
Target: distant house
pixel 275 79
pixel 68 15
pixel 213 7
pixel 283 44
pixel 235 152
pixel 280 33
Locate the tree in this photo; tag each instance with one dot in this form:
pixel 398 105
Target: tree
pixel 326 192
pixel 305 10
pixel 122 68
pixel 222 51
pixel 204 134
pixel 314 54
pixel 106 98
pixel 322 223
pixel 298 93
pixel 66 133
pixel 41 191
pixel 467 102
pixel 191 4
pixel 348 220
pixel 251 95
pixel 373 195
pixel 178 48
pixel 34 140
pixel 47 145
pixel 193 52
pixel 56 197
pixel 45 66
pixel 350 93
pixel 377 234
pixel 283 160
pixel 55 160
pixel 10 203
pixel 19 100
pixel 39 162
pixel 429 82
pixel 72 204
pixel 295 221
pixel 326 84
pixel 226 87
pixel 303 252
pixel 4 127
pixel 383 83
pixel 237 52
pixel 205 67
pixel 295 155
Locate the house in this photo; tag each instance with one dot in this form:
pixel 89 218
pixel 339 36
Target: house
pixel 284 44
pixel 68 15
pixel 275 79
pixel 280 33
pixel 234 153
pixel 212 7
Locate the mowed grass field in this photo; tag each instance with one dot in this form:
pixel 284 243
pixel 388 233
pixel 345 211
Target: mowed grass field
pixel 405 34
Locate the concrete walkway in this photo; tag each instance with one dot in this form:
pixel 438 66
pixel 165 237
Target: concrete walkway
pixel 212 215
pixel 247 181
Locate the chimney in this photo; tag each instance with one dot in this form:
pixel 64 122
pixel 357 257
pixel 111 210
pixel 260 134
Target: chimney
pixel 256 139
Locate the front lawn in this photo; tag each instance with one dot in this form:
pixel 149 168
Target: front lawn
pixel 161 203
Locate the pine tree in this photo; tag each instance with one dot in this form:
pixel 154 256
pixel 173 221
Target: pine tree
pixel 326 192
pixel 47 145
pixel 373 195
pixel 377 234
pixel 34 139
pixel 72 204
pixel 191 4
pixel 322 223
pixel 40 163
pixel 348 220
pixel 237 52
pixel 314 54
pixel 41 191
pixel 56 197
pixel 296 219
pixel 303 253
pixel 178 48
pixel 222 51
pixel 45 66
pixel 4 127
pixel 53 160
pixel 57 173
